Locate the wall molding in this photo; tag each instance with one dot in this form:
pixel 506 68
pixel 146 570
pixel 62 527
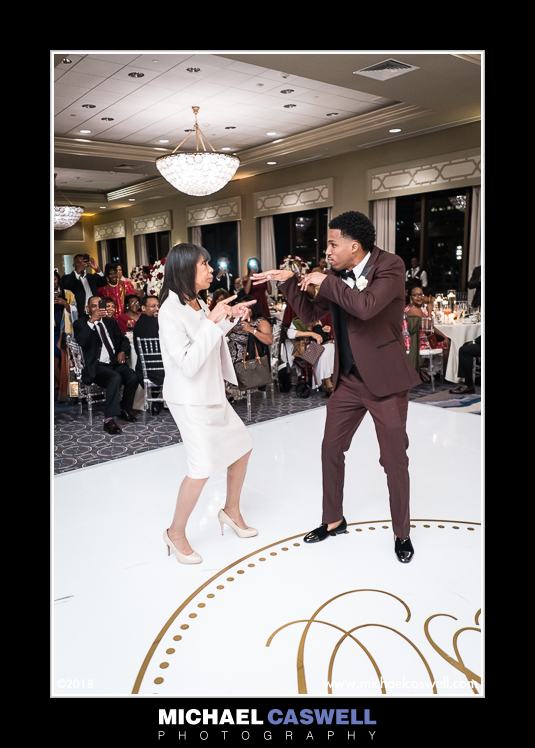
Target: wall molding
pixel 216 211
pixel 114 230
pixel 305 196
pixel 152 223
pixel 446 171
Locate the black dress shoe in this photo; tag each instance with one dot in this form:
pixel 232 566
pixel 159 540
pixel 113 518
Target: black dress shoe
pixel 463 389
pixel 128 416
pixel 404 550
pixel 321 532
pixel 155 408
pixel 112 428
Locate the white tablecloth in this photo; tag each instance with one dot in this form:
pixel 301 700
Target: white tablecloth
pixel 458 334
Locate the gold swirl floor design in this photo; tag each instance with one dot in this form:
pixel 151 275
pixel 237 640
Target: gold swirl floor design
pixel 215 586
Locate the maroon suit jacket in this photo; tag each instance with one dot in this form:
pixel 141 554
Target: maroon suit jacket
pixel 374 320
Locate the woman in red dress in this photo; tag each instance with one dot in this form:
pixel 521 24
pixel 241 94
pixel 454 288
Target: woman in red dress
pixel 115 289
pixel 131 314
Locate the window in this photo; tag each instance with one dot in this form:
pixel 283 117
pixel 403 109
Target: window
pixel 158 245
pixel 113 250
pixel 222 239
pixel 303 234
pixel 434 228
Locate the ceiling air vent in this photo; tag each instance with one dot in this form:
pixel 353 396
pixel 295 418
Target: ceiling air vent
pixel 385 70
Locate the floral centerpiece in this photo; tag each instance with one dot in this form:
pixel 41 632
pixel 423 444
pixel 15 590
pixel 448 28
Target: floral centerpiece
pixel 155 283
pixel 137 277
pixel 295 264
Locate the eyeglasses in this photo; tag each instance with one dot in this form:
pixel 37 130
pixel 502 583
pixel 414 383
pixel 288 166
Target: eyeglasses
pixel 414 295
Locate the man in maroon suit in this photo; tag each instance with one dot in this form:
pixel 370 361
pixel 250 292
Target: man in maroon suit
pixel 365 293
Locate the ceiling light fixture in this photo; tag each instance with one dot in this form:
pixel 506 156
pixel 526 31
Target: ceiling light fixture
pixel 65 215
pixel 197 172
pixel 136 75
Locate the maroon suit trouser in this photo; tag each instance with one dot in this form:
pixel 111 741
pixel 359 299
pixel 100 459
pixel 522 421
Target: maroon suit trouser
pixel 346 408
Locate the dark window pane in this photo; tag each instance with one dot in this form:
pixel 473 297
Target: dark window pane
pixel 222 239
pixel 408 227
pixel 302 233
pixel 445 216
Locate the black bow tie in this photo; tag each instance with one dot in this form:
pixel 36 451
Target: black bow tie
pixel 346 274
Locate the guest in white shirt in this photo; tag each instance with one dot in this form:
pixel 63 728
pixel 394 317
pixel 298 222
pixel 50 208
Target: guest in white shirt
pixel 196 361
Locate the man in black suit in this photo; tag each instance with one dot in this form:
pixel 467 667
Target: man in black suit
pixel 105 350
pixel 475 282
pixel 147 327
pixel 223 278
pixel 81 282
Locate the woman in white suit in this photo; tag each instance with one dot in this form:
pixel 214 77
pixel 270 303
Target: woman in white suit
pixel 196 362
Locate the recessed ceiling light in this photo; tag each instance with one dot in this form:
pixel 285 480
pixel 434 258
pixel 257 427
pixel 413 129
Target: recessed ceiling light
pixel 226 148
pixel 279 140
pixel 193 70
pixel 82 140
pixel 271 163
pixel 103 207
pixel 161 149
pixel 332 114
pixel 190 129
pixel 163 141
pixel 88 106
pixel 84 132
pixel 272 133
pixel 287 90
pixel 107 119
pixel 261 85
pixel 72 115
pixel 131 199
pixel 289 106
pixel 395 129
pixel 66 61
pixel 136 75
pixel 230 127
pixel 156 60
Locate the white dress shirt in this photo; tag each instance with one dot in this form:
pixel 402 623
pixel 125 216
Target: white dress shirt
pixel 104 355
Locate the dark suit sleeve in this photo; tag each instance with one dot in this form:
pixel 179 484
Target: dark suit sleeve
pixel 475 278
pixel 307 310
pixel 66 282
pixel 387 284
pixel 99 281
pixel 82 332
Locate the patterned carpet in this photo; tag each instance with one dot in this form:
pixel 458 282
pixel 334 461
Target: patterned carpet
pixel 78 445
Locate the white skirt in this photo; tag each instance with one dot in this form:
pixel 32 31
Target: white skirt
pixel 214 437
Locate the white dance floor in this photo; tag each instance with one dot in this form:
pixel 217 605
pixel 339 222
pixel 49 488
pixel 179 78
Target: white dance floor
pixel 271 615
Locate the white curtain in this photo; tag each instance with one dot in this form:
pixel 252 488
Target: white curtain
pixel 384 220
pixel 268 256
pixel 140 244
pixel 196 235
pixel 474 246
pixel 104 253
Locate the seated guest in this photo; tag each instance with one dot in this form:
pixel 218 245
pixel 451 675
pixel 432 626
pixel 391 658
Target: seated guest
pixel 84 281
pixel 111 308
pixel 321 333
pixel 64 313
pixel 415 337
pixel 249 337
pixel 218 295
pixel 147 327
pixel 467 353
pixel 105 350
pixel 131 314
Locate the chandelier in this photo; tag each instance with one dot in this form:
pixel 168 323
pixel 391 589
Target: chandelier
pixel 66 216
pixel 198 172
pixel 459 202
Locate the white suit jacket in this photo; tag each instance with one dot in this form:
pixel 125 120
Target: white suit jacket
pixel 195 354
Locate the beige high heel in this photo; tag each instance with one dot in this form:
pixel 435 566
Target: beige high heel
pixel 183 558
pixel 224 519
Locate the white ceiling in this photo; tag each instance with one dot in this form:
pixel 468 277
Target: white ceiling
pixel 242 91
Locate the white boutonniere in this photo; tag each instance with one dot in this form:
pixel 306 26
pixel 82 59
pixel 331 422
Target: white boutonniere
pixel 361 283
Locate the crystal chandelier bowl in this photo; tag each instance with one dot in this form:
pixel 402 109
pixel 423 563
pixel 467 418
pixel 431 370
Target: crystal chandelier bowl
pixel 198 172
pixel 66 216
